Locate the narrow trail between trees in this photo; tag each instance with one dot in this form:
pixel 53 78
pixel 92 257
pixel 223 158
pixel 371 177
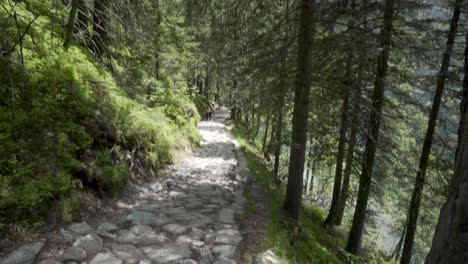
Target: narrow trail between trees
pixel 191 215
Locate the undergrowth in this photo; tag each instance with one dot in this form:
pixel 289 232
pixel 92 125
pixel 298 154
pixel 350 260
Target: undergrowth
pixel 61 113
pixel 313 245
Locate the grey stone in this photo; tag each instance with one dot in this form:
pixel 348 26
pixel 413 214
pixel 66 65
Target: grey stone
pixel 209 236
pixel 168 253
pixel 151 239
pixel 175 211
pixel 105 258
pixel 201 221
pixel 141 229
pixel 105 234
pixel 174 194
pixel 228 236
pixel 108 227
pixel 73 254
pixel 174 229
pixel 68 236
pixel 80 229
pixel 227 251
pixel 226 216
pixel 26 254
pixel 145 261
pixel 91 243
pixel 186 261
pixel 147 218
pixel 49 261
pixel 267 257
pixel 150 207
pixel 129 253
pixel 223 260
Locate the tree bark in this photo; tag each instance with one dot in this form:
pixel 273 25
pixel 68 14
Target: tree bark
pixel 265 134
pixel 451 237
pixel 279 116
pixel 68 37
pixel 81 26
pixel 100 27
pixel 293 200
pixel 415 203
pixel 332 219
pixel 355 236
pixel 308 167
pixel 349 165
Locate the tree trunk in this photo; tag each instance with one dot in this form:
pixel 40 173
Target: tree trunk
pixel 200 85
pixel 100 27
pixel 81 26
pixel 293 200
pixel 332 219
pixel 281 102
pixel 279 130
pixel 265 134
pixel 68 37
pixel 308 169
pixel 357 227
pixel 207 83
pixel 450 238
pixel 349 165
pixel 415 203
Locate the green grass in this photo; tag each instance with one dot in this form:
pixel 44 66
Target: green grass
pixel 314 245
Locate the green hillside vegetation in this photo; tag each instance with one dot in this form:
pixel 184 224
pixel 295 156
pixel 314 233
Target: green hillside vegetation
pixel 65 116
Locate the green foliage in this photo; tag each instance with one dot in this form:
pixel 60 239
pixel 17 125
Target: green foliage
pixel 112 176
pixel 200 103
pixel 49 94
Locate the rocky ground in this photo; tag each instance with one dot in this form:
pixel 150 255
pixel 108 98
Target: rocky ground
pixel 191 217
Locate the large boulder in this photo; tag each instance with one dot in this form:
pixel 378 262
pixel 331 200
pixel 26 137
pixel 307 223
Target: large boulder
pixel 26 254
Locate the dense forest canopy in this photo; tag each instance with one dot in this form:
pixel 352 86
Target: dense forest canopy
pixel 357 107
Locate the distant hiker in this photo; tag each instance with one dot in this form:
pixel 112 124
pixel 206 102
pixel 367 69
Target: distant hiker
pixel 209 111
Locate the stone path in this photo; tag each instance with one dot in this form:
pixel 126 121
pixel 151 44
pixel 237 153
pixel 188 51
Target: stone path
pixel 192 219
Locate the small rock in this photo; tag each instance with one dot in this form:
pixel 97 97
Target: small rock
pixel 223 260
pixel 26 254
pixel 171 184
pixel 267 257
pixel 227 251
pixel 68 236
pixel 228 236
pixel 150 239
pixel 226 216
pixel 105 258
pixel 209 236
pixel 174 229
pixel 150 207
pixel 72 254
pixel 91 243
pixel 80 229
pixel 186 261
pixel 138 230
pixel 145 261
pixel 108 227
pixel 147 218
pixel 168 253
pixel 128 253
pixel 106 234
pixel 49 261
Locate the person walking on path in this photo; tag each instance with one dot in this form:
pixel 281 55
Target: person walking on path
pixel 209 111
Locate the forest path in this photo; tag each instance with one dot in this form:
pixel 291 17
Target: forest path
pixel 193 219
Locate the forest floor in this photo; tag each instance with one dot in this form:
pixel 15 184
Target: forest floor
pixel 195 213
